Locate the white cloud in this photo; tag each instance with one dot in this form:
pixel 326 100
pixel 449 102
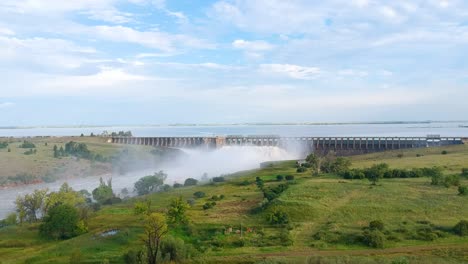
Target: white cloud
pixel 46 52
pixel 292 71
pixel 6 104
pixel 6 31
pixel 258 45
pixel 152 39
pixel 355 73
pixel 253 49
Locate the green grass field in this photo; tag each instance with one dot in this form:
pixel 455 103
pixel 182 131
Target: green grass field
pixel 338 208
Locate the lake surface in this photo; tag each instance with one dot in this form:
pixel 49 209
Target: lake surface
pixel 449 129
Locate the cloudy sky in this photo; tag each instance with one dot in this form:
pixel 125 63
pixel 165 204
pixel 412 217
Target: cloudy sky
pixel 228 61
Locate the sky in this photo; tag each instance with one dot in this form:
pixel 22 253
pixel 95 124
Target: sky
pixel 115 62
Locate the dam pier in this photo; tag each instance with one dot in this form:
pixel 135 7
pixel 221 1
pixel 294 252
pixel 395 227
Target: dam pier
pixel 340 145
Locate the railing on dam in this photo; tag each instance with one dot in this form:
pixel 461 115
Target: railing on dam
pixel 360 144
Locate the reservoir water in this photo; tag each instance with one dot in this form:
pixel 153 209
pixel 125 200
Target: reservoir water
pixel 446 129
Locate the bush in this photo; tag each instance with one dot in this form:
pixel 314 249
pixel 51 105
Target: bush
pixel 464 172
pixel 462 190
pixel 177 185
pixel 444 152
pixel 244 183
pixel 376 225
pixel 61 222
pixel 27 144
pixel 301 170
pixel 209 205
pixel 277 217
pixel 190 182
pixel 217 197
pixel 461 228
pixel 133 257
pixel 3 145
pixel 199 194
pixel 175 250
pixel 279 177
pixel 289 177
pixel 218 179
pixel 150 183
pixel 451 180
pixel 374 238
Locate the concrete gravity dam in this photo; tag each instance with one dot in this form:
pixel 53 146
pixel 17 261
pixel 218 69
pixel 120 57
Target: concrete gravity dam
pixel 339 145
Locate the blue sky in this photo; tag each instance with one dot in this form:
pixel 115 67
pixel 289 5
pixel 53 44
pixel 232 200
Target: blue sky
pixel 228 61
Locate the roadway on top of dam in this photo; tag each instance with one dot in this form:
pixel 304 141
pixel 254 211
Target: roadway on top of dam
pixel 349 144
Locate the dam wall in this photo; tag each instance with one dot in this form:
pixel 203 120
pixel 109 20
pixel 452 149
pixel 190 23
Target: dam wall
pixel 340 145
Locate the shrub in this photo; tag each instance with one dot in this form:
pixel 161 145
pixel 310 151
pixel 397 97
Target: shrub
pixel 259 182
pixel 461 228
pixel 285 237
pixel 175 250
pixel 190 182
pixel 244 183
pixel 444 152
pixel 218 179
pixel 289 177
pixel 199 194
pixel 462 190
pixel 209 205
pixel 133 257
pixel 61 222
pixel 277 217
pixel 437 179
pixel 217 197
pixel 27 144
pixel 191 202
pixel 301 170
pixel 376 225
pixel 177 185
pixel 374 238
pixel 400 155
pixel 464 172
pixel 150 183
pixel 279 177
pixel 3 145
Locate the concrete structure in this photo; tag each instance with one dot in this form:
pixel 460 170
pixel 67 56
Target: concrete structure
pixel 341 145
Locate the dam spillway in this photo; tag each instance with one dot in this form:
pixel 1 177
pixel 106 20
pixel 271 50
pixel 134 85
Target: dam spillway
pixel 340 145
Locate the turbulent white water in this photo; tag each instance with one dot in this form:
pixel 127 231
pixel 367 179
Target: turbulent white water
pixel 194 164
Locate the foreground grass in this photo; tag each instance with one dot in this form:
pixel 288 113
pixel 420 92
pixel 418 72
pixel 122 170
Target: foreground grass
pixel 314 203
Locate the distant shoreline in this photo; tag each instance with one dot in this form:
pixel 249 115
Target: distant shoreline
pixel 244 124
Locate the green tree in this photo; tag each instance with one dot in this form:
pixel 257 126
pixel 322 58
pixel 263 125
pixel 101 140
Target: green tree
pixel 462 190
pixel 376 172
pixel 30 206
pixel 103 194
pixel 278 216
pixel 65 195
pixel 461 228
pixel 155 229
pixel 61 222
pixel 177 211
pixel 151 183
pixel 190 182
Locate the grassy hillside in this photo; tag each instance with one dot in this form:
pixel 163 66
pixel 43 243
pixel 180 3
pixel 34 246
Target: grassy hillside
pixel 327 216
pixel 42 165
